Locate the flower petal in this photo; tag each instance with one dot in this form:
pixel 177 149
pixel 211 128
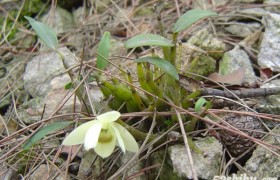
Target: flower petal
pixel 106 149
pixel 119 137
pixel 129 141
pixel 77 136
pixel 92 135
pixel 109 116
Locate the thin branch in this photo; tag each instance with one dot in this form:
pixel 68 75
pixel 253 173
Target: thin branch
pixel 244 93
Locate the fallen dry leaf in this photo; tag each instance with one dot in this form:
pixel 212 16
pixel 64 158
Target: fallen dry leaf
pixel 234 78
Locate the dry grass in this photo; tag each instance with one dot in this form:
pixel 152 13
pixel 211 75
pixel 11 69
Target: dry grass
pixel 122 19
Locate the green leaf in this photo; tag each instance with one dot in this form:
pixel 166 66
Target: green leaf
pixel 163 64
pixel 45 33
pixel 43 132
pixel 199 104
pixel 103 51
pixel 191 17
pixel 148 40
pixel 68 86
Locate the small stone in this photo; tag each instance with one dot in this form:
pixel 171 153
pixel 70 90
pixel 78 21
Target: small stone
pixel 61 20
pixel 43 68
pixel 243 29
pixel 206 164
pixel 269 56
pixel 206 41
pixel 237 59
pixel 264 163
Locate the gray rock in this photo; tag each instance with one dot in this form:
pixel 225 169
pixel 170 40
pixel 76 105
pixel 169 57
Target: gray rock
pixel 165 171
pixel 43 68
pixel 243 29
pixel 206 164
pixel 131 170
pixel 270 104
pixel 195 60
pixel 236 59
pixel 273 99
pixel 263 163
pixel 7 173
pixel 202 4
pixel 206 41
pixel 273 6
pixel 85 167
pixel 269 56
pixel 55 96
pixel 257 12
pixel 29 112
pixel 60 20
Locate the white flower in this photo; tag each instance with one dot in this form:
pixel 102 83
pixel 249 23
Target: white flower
pixel 103 134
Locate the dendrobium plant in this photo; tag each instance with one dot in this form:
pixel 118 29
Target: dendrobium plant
pixel 103 134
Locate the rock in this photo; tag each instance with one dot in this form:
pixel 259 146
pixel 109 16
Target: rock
pixel 85 167
pixel 12 81
pixel 29 112
pixel 60 20
pixel 202 4
pixel 43 78
pixel 272 6
pixel 7 173
pixel 269 56
pixel 193 59
pixel 257 12
pixel 270 104
pixel 273 99
pixel 263 163
pixel 131 169
pixel 206 164
pixel 236 59
pixel 43 68
pixel 206 41
pixel 43 172
pixel 202 65
pixel 55 96
pixel 164 164
pixel 243 29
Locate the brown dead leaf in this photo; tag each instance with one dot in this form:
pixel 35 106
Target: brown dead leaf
pixel 266 73
pixel 234 78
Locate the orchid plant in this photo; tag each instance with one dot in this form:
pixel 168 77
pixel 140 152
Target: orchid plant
pixel 103 134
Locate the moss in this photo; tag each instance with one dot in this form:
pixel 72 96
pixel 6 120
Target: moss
pixel 202 65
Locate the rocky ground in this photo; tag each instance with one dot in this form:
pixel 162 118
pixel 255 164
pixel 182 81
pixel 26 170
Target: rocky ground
pixel 234 57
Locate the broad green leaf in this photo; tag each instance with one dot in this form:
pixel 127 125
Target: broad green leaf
pixel 45 33
pixel 43 132
pixel 201 102
pixel 163 64
pixel 148 40
pixel 191 17
pixel 103 51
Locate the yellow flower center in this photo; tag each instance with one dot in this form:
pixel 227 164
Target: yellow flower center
pixel 105 136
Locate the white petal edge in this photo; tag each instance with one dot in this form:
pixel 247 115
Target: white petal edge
pixel 129 141
pixel 106 149
pixel 77 136
pixel 109 116
pixel 118 135
pixel 92 135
